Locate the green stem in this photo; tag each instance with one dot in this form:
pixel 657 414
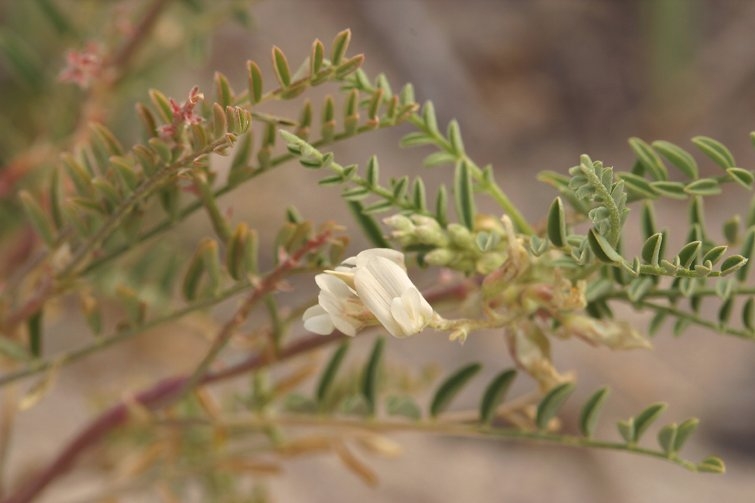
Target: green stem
pixel 493 189
pixel 695 319
pixel 447 428
pixel 191 208
pixel 141 192
pixel 674 294
pixel 38 366
pixel 606 198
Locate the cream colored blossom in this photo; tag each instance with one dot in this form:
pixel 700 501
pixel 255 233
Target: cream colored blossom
pixel 371 287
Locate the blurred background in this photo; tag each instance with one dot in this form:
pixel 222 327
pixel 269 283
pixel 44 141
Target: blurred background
pixel 534 84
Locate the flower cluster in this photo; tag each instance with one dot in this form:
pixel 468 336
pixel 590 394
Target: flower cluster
pixel 368 289
pixel 183 114
pixel 82 67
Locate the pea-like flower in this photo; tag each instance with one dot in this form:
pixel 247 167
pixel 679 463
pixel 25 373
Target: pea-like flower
pixel 371 288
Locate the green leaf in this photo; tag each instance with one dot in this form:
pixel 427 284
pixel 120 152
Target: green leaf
pixel 649 159
pixel 403 406
pixel 377 207
pixel 645 418
pixel 416 138
pixel 724 312
pixel 494 395
pixel 298 403
pixel 38 218
pixel 731 229
pixel 703 187
pixel 639 287
pixel 34 326
pixel 352 405
pixel 743 177
pixel 355 194
pixel 648 219
pixel 340 46
pixel 223 91
pixel 451 387
pixel 684 431
pixel 234 255
pixel 454 138
pixel 588 417
pixel 368 224
pixel 418 195
pixel 732 264
pixel 656 323
pixel 678 157
pixel 441 206
pixel 212 266
pixel 240 161
pixel 667 437
pixel 626 429
pixel 372 172
pixel 748 314
pixel 439 158
pixel 674 190
pixel 538 246
pixel 106 140
pixel 126 173
pixel 557 223
pixel 370 376
pixel 715 254
pixel 747 250
pixel 162 104
pixel 551 403
pixel 464 195
pixel 689 253
pixel 602 248
pixel 255 82
pixel 715 150
pixel 329 374
pixel 280 64
pixel 651 250
pixel 429 119
pixel 317 57
pixel 712 464
pixel 638 186
pixel 193 276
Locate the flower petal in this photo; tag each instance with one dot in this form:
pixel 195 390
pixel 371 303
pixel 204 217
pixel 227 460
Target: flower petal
pixel 317 320
pixel 386 290
pixel 393 255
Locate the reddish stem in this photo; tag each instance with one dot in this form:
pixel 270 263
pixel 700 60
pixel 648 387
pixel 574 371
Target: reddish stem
pixel 161 394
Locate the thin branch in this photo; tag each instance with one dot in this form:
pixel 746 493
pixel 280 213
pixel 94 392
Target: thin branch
pixel 162 394
pixel 265 286
pixel 122 57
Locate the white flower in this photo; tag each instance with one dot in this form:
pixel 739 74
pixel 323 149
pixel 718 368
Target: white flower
pixel 338 307
pixel 373 286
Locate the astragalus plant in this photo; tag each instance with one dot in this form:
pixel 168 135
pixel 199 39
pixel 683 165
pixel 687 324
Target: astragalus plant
pixel 88 223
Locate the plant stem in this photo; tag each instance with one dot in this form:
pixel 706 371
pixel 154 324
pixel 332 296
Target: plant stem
pixel 695 319
pixel 491 188
pixel 441 427
pixel 162 394
pixel 261 290
pixel 122 57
